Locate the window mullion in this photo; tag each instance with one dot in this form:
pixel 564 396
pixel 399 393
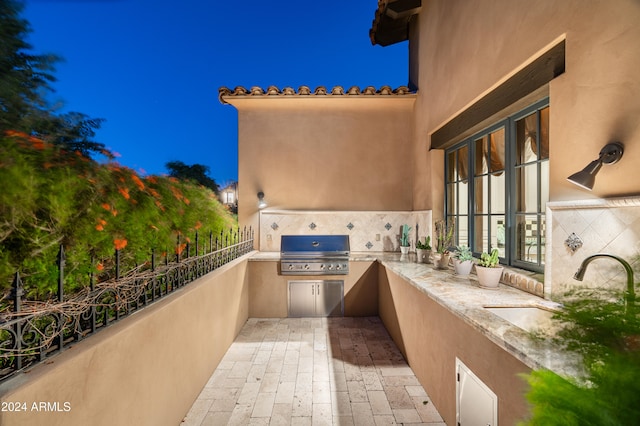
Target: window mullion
pixel 510 201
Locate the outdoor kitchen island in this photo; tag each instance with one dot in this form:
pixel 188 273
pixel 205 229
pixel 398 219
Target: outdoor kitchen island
pixel 435 319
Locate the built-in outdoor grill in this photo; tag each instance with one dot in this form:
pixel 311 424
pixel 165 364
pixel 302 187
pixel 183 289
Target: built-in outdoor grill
pixel 314 254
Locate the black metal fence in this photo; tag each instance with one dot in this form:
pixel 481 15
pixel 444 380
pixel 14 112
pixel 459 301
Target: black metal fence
pixel 33 331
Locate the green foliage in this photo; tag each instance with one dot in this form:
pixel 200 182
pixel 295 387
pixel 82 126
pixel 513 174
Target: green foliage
pixel 489 260
pixel 605 332
pixel 52 196
pixel 196 173
pixel 404 235
pixel 25 80
pixel 463 253
pixel 24 77
pixel 426 245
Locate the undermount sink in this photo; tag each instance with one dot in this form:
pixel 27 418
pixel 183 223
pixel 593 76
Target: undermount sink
pixel 529 318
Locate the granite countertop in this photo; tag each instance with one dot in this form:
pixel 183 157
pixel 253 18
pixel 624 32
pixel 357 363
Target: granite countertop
pixel 466 299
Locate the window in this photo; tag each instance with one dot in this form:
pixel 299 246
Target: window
pixel 497 187
pixel 229 198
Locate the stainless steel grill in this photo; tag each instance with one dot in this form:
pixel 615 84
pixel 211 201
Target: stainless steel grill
pixel 314 254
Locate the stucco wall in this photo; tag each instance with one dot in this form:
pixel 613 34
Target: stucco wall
pixel 467 48
pixel 324 153
pixel 430 337
pixel 144 370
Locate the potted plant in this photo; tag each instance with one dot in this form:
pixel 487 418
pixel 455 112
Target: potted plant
pixel 444 237
pixel 404 239
pixel 462 260
pixel 423 250
pixel 488 269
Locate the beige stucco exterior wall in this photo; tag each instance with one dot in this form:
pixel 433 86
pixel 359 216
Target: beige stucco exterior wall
pixel 144 370
pixel 466 48
pixel 324 153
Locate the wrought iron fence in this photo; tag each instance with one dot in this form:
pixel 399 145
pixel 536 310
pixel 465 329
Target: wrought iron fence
pixel 31 331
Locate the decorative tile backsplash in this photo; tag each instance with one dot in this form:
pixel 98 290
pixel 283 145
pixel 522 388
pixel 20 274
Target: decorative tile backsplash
pixel 582 228
pixel 368 231
pixel 577 229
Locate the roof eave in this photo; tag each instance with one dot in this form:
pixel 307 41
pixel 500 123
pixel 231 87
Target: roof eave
pixel 391 21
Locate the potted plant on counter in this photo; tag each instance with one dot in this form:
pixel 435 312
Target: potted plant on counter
pixel 488 269
pixel 423 250
pixel 404 239
pixel 444 237
pixel 462 260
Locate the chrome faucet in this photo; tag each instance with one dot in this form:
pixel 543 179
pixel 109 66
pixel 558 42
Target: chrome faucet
pixel 631 294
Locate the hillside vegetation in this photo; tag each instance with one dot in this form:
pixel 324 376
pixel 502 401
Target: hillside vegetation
pixel 51 197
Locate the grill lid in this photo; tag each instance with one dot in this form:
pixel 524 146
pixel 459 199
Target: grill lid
pixel 314 245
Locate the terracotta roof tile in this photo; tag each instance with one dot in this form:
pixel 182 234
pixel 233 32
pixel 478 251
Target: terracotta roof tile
pixel 303 91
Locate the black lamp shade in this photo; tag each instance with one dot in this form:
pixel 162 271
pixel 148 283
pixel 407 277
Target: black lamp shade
pixel 586 177
pixel 610 154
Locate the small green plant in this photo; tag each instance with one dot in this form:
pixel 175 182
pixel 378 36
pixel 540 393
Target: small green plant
pixel 489 260
pixel 424 246
pixel 404 236
pixel 463 253
pixel 444 236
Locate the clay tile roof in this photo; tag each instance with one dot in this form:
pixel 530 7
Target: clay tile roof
pixel 305 91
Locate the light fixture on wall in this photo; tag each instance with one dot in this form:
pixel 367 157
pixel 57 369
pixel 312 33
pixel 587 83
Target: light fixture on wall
pixel 261 202
pixel 610 154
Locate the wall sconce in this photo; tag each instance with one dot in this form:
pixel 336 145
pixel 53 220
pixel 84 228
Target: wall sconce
pixel 610 154
pixel 261 202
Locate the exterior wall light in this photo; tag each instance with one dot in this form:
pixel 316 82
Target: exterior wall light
pixel 261 202
pixel 610 154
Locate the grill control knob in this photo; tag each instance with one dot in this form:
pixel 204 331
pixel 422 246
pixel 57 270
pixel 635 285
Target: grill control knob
pixel 306 266
pixel 338 266
pixel 290 266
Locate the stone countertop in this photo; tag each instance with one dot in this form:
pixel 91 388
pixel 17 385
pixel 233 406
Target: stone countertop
pixel 466 299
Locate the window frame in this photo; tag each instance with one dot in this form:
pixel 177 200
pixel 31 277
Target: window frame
pixel 510 170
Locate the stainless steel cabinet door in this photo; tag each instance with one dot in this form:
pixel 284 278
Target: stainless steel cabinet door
pixel 302 298
pixel 329 300
pixel 317 298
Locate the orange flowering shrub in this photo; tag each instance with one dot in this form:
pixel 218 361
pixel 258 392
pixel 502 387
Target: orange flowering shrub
pixel 57 196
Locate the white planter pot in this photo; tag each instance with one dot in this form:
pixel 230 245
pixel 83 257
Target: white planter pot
pixel 423 256
pixel 404 249
pixel 462 268
pixel 489 277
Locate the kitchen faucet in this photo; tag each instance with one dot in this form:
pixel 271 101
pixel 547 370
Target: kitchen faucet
pixel 631 295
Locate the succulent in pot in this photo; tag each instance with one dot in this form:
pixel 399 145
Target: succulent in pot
pixel 444 238
pixel 423 250
pixel 462 260
pixel 488 269
pixel 404 239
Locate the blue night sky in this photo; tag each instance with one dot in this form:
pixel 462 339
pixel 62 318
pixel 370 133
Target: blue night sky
pixel 152 68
